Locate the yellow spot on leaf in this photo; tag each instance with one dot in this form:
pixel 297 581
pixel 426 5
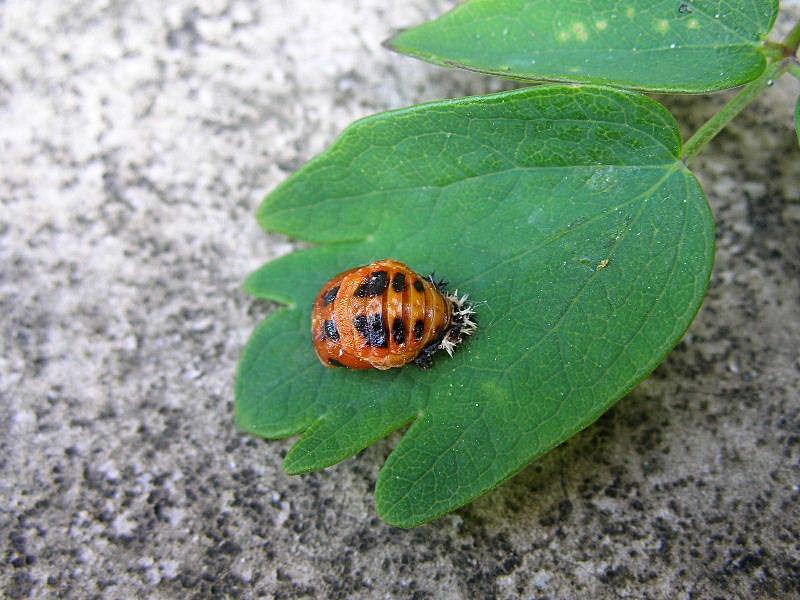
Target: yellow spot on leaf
pixel 563 36
pixel 601 25
pixel 662 26
pixel 692 24
pixel 579 29
pixel 629 12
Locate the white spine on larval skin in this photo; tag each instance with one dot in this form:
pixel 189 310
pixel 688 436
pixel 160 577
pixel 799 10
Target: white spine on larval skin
pixel 462 313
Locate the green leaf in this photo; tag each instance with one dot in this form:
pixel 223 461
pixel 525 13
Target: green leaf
pixel 567 216
pixel 659 45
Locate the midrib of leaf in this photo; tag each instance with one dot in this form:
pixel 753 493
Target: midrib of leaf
pixel 627 51
pixel 376 194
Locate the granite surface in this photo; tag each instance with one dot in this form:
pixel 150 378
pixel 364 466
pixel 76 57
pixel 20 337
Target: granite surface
pixel 136 142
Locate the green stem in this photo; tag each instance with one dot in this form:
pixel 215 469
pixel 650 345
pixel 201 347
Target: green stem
pixel 716 123
pixel 792 41
pixel 775 50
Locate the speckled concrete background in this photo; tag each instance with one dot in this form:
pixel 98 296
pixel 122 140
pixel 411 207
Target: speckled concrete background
pixel 137 141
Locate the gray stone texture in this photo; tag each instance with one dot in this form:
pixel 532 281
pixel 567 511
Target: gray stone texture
pixel 136 140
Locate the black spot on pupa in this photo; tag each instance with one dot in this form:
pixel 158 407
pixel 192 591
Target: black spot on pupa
pixel 379 333
pixel 330 331
pixel 399 331
pixel 375 285
pixel 418 285
pixel 360 322
pixel 374 329
pixel 330 296
pixel 334 363
pixel 419 328
pixel 399 282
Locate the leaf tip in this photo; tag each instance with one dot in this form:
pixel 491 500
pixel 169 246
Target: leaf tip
pixel 390 42
pixel 263 214
pixel 396 504
pixel 249 285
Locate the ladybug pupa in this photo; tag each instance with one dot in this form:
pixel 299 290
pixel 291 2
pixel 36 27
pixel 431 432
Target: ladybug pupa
pixel 385 315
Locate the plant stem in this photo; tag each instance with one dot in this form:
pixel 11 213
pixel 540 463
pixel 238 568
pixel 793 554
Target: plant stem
pixel 792 41
pixel 749 93
pixel 775 50
pixel 716 123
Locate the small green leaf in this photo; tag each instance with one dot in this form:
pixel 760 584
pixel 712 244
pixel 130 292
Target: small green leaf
pixel 659 45
pixel 567 216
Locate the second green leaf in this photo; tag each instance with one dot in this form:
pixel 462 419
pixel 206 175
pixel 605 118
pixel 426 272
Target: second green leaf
pixel 657 45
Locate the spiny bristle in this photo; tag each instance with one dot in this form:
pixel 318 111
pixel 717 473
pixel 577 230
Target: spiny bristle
pixel 464 325
pixel 447 345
